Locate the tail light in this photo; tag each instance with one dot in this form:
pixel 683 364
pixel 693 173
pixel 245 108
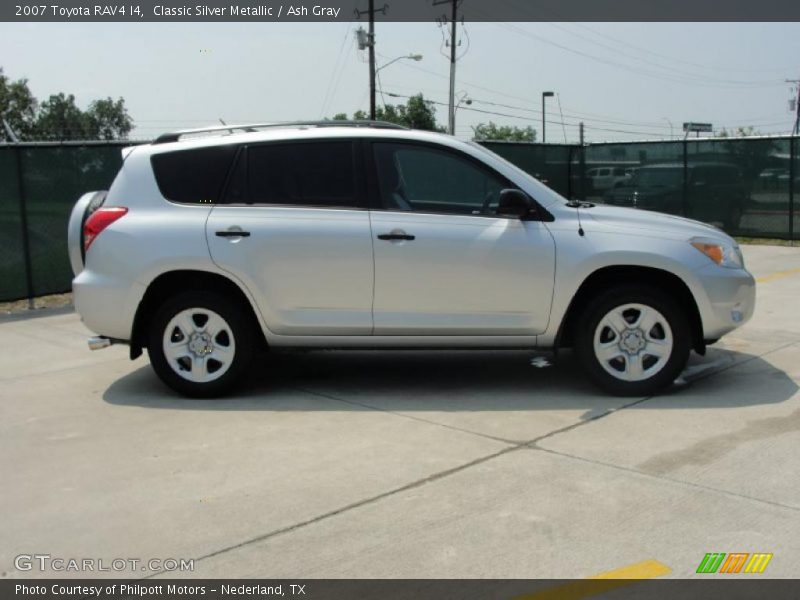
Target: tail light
pixel 98 221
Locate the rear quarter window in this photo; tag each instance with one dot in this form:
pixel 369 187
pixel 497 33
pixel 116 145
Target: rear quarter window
pixel 193 176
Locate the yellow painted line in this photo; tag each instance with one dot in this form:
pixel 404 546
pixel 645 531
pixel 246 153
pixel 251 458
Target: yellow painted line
pixel 602 582
pixel 777 275
pixel 643 570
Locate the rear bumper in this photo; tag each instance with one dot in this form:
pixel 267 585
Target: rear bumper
pixel 106 306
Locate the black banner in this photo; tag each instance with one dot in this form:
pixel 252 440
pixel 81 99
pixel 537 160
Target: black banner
pixel 705 588
pixel 399 10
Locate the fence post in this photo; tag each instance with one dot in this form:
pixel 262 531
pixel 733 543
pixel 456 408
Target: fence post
pixel 582 169
pixel 23 212
pixel 792 175
pixel 685 199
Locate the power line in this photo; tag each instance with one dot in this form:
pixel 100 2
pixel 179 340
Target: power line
pixel 336 72
pixel 678 60
pixel 586 116
pixel 536 15
pixel 684 79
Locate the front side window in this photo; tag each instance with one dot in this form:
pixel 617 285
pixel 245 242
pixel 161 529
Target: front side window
pixel 419 178
pixel 302 174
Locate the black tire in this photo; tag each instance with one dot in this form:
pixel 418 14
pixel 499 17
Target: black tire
pixel 240 328
pixel 673 362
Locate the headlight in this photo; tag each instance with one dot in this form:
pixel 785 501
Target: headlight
pixel 722 253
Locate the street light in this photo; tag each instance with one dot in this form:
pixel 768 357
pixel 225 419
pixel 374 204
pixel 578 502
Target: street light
pixel 463 98
pixel 414 57
pixel 545 95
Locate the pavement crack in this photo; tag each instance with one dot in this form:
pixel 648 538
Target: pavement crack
pixel 352 506
pixel 609 412
pixel 412 417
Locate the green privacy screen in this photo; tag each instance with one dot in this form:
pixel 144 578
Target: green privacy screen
pixel 748 187
pixel 49 180
pixel 745 186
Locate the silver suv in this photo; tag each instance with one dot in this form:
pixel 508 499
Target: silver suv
pixel 212 244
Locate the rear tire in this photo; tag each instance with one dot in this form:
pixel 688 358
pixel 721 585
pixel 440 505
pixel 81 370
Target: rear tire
pixel 632 340
pixel 201 343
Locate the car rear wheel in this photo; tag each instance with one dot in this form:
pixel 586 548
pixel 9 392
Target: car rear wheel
pixel 200 343
pixel 632 340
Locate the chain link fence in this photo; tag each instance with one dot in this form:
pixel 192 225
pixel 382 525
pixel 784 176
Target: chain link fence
pixel 749 187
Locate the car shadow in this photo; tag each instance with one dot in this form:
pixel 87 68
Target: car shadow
pixel 458 381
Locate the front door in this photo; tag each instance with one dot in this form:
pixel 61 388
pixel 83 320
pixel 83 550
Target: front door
pixel 445 264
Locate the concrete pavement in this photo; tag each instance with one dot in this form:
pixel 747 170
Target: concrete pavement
pixel 404 464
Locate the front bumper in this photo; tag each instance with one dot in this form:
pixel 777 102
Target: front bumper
pixel 726 299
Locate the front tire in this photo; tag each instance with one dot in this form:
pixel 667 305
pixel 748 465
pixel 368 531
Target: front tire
pixel 633 341
pixel 200 343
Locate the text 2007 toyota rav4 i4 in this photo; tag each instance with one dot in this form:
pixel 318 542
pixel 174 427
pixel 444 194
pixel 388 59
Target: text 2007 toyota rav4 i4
pixel 210 244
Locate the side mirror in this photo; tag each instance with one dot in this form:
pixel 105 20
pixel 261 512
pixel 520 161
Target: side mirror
pixel 514 203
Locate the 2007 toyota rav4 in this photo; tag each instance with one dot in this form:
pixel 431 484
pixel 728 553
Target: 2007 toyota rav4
pixel 354 235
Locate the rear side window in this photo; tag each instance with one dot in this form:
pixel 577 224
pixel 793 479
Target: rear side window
pixel 193 176
pixel 302 174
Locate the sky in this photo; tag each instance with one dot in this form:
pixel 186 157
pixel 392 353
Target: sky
pixel 625 81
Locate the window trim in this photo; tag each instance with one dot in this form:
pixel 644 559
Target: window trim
pixel 359 202
pixel 374 199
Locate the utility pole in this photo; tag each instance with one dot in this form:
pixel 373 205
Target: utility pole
pixel 369 43
pixel 372 59
pixel 451 116
pixel 796 129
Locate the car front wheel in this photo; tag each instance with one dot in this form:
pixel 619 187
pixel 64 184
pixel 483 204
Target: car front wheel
pixel 633 340
pixel 200 343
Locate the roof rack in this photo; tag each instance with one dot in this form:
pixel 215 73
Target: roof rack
pixel 174 136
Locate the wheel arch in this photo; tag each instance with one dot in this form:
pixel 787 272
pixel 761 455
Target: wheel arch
pixel 167 284
pixel 606 277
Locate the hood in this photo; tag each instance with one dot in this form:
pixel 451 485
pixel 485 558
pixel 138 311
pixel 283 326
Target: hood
pixel 643 222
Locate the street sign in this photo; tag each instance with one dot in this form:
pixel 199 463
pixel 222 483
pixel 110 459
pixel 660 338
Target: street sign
pixel 699 127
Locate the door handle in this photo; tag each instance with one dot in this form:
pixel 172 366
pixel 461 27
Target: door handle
pixel 232 233
pixel 396 236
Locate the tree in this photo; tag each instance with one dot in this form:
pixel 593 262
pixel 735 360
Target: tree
pixel 109 120
pixel 739 132
pixel 506 133
pixel 17 106
pixel 416 113
pixel 58 117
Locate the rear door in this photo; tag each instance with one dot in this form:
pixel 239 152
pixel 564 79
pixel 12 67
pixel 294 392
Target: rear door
pixel 293 228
